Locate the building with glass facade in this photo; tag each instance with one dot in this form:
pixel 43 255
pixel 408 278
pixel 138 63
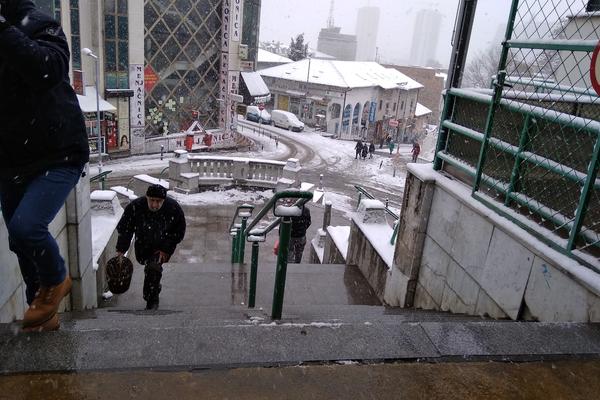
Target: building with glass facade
pixel 159 63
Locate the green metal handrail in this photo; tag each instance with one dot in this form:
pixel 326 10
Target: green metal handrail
pixel 243 211
pixel 363 191
pixel 256 235
pixel 100 177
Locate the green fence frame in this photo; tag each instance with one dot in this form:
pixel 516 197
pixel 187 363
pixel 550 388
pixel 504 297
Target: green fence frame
pixel 494 99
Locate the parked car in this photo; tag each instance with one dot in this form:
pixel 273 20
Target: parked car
pixel 253 113
pixel 286 120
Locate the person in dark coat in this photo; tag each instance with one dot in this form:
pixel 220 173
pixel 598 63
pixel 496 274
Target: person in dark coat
pixel 365 151
pixel 371 149
pixel 298 235
pixel 358 148
pixel 159 226
pixel 43 151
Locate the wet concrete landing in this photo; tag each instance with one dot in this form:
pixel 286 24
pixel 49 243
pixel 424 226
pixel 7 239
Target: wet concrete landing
pixel 551 380
pixel 186 286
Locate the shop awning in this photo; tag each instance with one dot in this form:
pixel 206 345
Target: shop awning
pixel 87 103
pixel 255 84
pixel 295 93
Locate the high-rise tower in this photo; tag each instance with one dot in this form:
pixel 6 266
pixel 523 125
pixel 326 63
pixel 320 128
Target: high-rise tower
pixel 425 37
pixel 367 25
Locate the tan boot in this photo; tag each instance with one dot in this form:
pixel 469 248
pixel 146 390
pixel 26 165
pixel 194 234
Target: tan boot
pixel 46 302
pixel 53 324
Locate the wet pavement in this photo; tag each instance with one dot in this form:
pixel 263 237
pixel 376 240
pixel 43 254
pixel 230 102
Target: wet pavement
pixel 568 380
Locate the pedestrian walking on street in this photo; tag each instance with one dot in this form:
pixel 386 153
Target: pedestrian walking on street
pixel 43 150
pixel 358 149
pixel 391 146
pixel 365 151
pixel 159 226
pixel 415 151
pixel 371 150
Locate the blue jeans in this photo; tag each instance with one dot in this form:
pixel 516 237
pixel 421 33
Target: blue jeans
pixel 28 206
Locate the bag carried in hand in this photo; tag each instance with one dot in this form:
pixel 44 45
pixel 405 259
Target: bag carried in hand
pixel 119 271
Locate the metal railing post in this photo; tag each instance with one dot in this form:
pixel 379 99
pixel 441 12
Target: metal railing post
pixel 327 215
pixel 253 273
pixel 242 241
pixel 516 172
pixel 236 246
pixel 280 273
pixel 584 199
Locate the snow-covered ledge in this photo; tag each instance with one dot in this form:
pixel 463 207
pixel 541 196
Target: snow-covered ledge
pixel 106 212
pixel 369 245
pixel 475 261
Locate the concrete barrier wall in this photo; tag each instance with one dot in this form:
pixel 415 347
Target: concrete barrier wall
pixel 476 262
pixel 72 230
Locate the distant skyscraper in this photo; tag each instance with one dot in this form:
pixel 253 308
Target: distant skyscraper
pixel 367 25
pixel 425 37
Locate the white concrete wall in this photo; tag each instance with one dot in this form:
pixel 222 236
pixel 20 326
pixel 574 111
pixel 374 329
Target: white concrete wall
pixel 476 262
pixel 72 230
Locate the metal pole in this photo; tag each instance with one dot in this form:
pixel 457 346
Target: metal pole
pixel 242 242
pixel 253 273
pixel 327 215
pixel 460 48
pixel 282 261
pixel 98 130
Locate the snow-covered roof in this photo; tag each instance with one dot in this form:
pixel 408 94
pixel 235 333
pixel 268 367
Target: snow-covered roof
pixel 265 56
pixel 255 84
pixel 421 110
pixel 346 74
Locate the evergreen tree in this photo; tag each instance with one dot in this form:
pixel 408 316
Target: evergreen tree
pixel 298 50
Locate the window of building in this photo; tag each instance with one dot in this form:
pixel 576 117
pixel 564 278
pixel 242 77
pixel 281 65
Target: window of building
pixel 394 109
pixel 116 44
pixel 402 105
pixel 182 46
pixel 75 35
pixel 50 7
pixel 593 5
pixel 380 104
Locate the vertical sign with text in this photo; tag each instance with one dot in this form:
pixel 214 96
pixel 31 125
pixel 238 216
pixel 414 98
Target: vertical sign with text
pixel 223 84
pixel 136 83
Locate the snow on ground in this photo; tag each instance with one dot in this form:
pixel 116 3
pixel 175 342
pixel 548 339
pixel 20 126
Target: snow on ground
pixel 339 157
pixel 231 196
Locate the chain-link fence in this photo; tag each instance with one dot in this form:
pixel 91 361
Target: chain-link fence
pixel 530 144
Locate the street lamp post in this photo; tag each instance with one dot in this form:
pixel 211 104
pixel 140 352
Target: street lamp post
pixel 90 53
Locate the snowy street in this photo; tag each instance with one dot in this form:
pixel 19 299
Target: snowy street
pixel 332 158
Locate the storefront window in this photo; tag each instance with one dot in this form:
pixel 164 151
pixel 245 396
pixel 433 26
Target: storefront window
pixel 116 44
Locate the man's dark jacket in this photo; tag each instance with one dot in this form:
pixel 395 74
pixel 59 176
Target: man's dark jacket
pixel 41 123
pixel 154 230
pixel 300 224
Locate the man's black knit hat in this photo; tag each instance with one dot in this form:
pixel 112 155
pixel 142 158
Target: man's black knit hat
pixel 157 191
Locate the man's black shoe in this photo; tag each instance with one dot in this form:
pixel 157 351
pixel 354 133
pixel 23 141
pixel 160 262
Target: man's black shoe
pixel 152 305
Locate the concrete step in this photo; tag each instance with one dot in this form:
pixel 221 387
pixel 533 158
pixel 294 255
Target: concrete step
pixel 226 337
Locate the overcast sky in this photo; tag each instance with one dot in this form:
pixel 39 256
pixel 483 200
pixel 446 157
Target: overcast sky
pixel 282 19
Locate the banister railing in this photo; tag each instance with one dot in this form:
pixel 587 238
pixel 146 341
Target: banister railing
pixel 243 231
pixel 244 212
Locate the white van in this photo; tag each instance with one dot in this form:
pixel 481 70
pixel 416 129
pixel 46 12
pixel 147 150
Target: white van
pixel 286 120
